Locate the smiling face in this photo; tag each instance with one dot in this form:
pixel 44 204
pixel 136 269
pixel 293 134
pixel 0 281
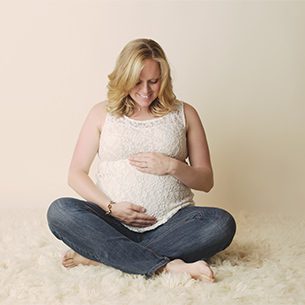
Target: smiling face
pixel 148 86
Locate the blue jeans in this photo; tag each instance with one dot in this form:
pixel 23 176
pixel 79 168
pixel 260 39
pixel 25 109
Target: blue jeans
pixel 192 234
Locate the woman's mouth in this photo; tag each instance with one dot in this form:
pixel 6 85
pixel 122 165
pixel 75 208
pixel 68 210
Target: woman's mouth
pixel 144 96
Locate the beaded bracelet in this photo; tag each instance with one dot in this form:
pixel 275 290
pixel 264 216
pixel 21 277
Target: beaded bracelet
pixel 109 206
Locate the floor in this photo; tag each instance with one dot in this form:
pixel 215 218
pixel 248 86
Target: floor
pixel 264 265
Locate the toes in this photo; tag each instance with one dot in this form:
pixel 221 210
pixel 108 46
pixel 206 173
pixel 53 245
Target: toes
pixel 207 267
pixel 67 261
pixel 206 272
pixel 72 259
pixel 70 266
pixel 205 278
pixel 69 254
pixel 209 272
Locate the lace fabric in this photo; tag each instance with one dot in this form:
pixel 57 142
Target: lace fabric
pixel 162 196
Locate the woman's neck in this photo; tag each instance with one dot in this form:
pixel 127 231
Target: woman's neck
pixel 142 113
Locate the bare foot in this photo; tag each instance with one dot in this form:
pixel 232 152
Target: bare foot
pixel 72 259
pixel 199 270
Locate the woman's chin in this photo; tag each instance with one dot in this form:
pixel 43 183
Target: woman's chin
pixel 144 102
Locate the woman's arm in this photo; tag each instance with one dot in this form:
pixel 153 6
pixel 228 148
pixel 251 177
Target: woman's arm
pixel 199 174
pixel 83 156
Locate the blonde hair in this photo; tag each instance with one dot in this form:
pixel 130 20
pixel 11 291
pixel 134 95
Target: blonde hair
pixel 126 74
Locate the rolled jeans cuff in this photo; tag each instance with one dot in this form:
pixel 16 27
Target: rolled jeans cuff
pixel 151 272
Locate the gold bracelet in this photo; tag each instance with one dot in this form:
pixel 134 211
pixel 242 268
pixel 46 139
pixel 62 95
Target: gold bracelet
pixel 109 206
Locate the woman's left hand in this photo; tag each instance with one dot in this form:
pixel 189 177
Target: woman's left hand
pixel 151 162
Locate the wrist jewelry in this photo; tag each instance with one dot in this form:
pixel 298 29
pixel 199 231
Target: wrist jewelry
pixel 109 206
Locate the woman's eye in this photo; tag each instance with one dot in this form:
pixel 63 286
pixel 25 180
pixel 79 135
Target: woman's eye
pixel 154 81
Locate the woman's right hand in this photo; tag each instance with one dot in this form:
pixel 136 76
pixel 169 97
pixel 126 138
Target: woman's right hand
pixel 132 214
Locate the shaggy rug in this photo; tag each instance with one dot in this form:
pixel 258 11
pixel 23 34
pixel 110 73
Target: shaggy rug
pixel 265 264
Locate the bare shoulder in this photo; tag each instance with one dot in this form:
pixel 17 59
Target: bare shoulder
pixel 98 112
pixel 99 107
pixel 191 114
pixel 189 109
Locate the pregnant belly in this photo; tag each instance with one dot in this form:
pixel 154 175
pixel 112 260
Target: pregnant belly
pixel 158 194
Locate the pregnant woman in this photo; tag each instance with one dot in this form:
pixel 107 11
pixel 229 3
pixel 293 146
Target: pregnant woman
pixel 139 216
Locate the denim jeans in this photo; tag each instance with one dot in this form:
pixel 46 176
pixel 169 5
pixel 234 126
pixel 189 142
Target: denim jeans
pixel 192 234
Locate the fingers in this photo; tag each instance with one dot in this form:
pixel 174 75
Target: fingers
pixel 143 168
pixel 144 217
pixel 140 219
pixel 137 208
pixel 141 160
pixel 143 220
pixel 133 214
pixel 142 223
pixel 141 213
pixel 139 164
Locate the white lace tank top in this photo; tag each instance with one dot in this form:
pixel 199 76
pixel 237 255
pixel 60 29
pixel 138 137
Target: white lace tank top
pixel 162 196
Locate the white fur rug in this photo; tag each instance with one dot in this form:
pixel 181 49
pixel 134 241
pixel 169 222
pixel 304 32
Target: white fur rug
pixel 265 264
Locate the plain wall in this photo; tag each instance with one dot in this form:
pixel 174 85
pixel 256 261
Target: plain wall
pixel 239 63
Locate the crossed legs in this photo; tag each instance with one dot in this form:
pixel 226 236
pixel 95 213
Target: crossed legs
pixel 180 245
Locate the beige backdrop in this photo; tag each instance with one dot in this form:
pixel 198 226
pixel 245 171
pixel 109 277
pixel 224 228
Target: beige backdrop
pixel 241 64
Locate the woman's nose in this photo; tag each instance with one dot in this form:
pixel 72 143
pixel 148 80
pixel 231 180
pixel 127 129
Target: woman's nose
pixel 145 88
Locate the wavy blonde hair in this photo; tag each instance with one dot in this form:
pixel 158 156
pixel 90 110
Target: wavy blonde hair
pixel 126 75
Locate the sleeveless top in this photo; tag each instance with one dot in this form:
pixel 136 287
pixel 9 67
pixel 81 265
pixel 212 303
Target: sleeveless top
pixel 162 196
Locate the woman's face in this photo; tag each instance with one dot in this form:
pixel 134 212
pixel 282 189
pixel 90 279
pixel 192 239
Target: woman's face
pixel 148 86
